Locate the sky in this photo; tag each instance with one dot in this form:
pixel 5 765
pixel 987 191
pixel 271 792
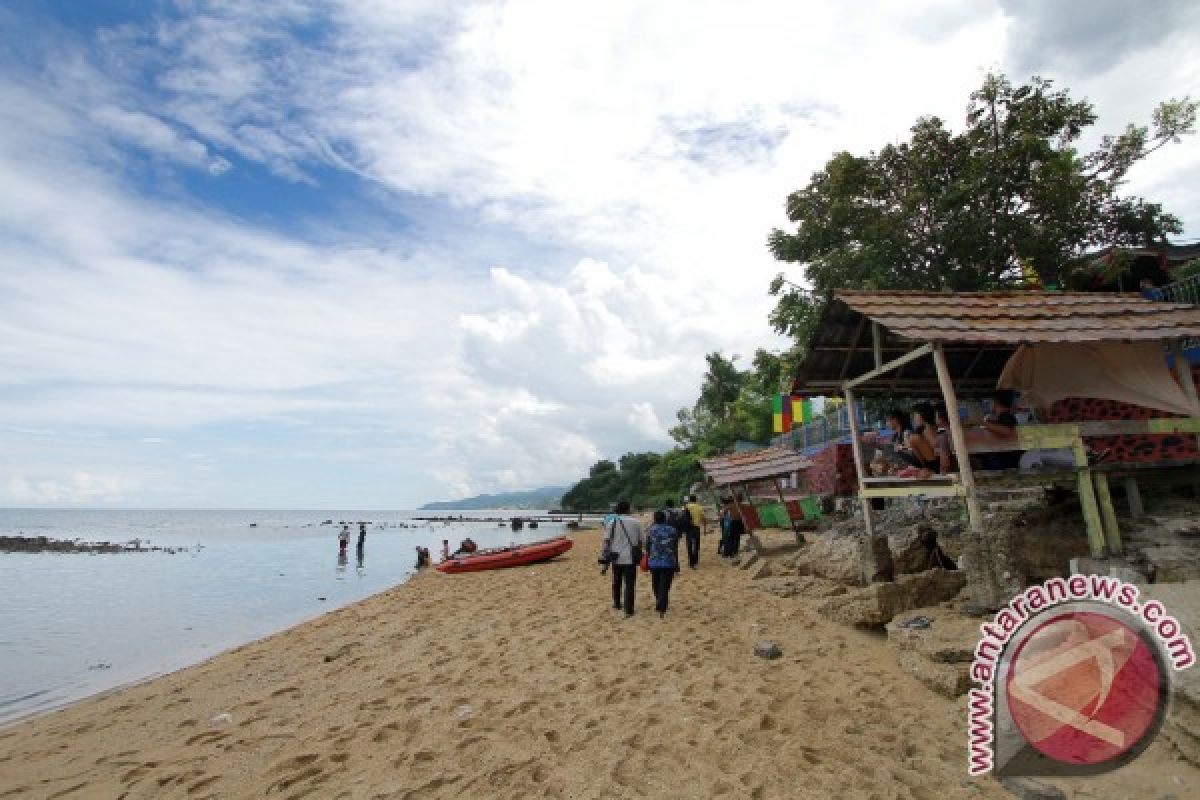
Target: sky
pixel 367 254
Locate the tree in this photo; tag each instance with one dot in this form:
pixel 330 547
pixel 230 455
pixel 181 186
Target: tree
pixel 1007 197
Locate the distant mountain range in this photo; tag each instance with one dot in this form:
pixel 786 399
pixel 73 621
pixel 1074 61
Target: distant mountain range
pixel 545 498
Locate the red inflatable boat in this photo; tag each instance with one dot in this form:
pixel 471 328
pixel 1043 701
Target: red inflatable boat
pixel 500 557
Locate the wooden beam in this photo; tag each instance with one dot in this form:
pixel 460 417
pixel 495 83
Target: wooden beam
pixel 966 475
pixel 951 490
pixel 883 369
pixel 862 322
pixel 1040 437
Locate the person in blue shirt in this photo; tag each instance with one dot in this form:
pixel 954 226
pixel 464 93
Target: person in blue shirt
pixel 662 546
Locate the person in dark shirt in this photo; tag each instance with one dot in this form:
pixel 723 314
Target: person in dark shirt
pixel 1000 424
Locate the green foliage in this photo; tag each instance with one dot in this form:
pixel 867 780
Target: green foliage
pixel 733 405
pixel 1188 270
pixel 647 480
pixel 1008 197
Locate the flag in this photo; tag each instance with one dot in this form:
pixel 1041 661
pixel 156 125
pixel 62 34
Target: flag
pixel 801 411
pixel 781 416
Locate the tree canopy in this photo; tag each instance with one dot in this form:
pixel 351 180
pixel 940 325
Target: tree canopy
pixel 1007 200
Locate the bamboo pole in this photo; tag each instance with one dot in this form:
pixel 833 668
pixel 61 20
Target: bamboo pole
pixel 859 467
pixel 966 474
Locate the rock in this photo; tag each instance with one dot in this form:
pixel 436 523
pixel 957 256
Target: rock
pixel 877 604
pixel 765 649
pixel 1182 726
pixel 800 586
pixel 908 554
pixel 875 559
pixel 832 557
pixel 1029 789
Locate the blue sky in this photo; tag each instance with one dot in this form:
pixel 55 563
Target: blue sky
pixel 367 254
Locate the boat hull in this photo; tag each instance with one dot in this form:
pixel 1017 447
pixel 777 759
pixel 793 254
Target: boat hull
pixel 516 556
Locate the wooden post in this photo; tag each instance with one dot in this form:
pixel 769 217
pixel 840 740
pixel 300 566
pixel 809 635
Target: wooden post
pixel 859 467
pixel 877 344
pixel 1134 496
pixel 1088 503
pixel 966 474
pixel 1112 531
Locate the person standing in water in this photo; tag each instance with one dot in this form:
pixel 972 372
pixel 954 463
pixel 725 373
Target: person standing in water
pixel 344 539
pixel 362 534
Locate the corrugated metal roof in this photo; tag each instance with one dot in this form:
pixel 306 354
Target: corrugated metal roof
pixel 1023 317
pixel 754 465
pixel 978 331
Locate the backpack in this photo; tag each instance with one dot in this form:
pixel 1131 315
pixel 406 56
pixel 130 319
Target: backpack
pixel 683 520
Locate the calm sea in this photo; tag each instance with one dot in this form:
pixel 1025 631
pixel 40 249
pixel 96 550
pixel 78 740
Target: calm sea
pixel 74 625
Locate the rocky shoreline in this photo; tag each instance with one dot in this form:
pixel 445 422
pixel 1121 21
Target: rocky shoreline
pixel 44 544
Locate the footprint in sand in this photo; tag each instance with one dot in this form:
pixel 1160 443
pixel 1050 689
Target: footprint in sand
pixel 207 737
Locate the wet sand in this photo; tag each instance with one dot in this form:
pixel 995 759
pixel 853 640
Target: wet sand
pixel 525 683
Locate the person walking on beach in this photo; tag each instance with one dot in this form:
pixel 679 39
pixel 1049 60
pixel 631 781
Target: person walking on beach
pixel 624 536
pixel 735 530
pixel 662 546
pixel 686 524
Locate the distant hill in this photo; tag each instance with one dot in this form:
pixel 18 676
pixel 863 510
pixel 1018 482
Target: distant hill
pixel 547 497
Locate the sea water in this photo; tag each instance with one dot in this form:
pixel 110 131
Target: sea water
pixel 72 625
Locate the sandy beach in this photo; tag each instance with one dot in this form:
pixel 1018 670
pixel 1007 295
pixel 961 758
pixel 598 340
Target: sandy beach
pixel 525 683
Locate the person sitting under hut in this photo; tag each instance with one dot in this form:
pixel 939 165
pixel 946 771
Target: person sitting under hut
pixel 997 428
pixel 897 422
pixel 922 440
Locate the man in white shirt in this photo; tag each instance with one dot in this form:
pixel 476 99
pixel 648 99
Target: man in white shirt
pixel 623 535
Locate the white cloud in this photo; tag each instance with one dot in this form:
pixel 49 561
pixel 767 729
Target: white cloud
pixel 77 488
pixel 643 419
pixel 152 134
pixel 611 173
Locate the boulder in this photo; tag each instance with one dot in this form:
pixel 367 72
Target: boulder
pixel 834 558
pixel 876 605
pixel 1182 726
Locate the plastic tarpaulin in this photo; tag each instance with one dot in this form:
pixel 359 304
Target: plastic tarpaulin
pixel 1135 373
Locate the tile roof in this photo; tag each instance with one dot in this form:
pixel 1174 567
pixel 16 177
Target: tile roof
pixel 978 331
pixel 1023 317
pixel 754 465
